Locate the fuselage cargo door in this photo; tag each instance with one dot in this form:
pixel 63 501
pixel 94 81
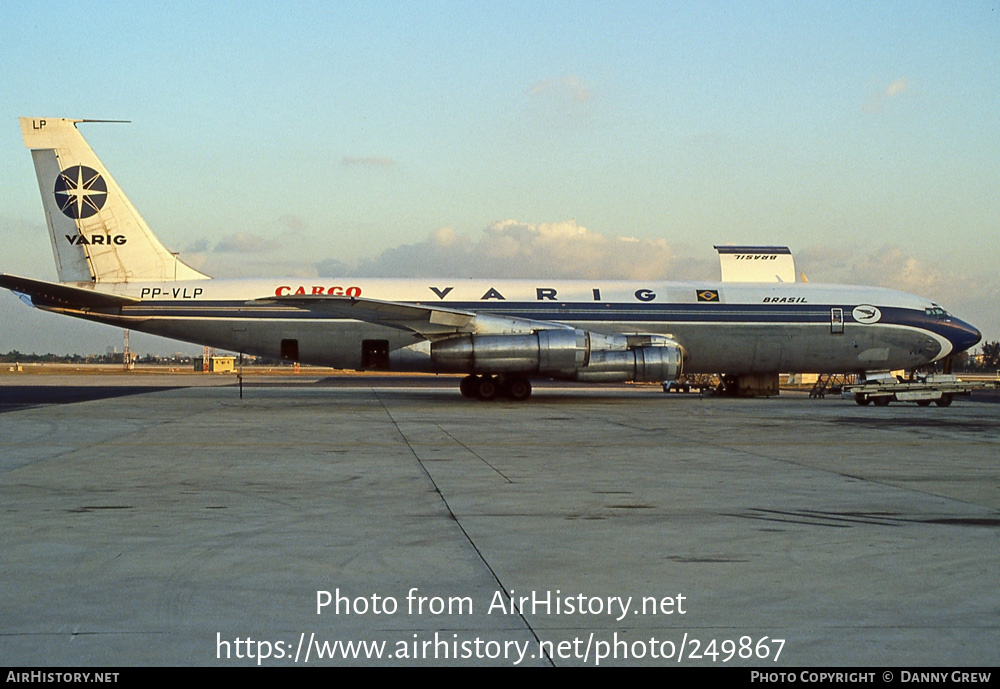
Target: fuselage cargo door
pixel 375 354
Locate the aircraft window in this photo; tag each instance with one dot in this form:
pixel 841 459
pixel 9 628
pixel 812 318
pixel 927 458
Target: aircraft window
pixel 936 312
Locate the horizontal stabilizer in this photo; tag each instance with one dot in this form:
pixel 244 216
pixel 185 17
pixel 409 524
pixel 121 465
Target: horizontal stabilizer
pixel 51 294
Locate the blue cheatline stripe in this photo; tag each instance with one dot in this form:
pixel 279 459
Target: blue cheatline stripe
pixel 704 312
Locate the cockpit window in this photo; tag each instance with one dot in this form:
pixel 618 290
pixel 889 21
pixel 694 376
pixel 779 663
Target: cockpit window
pixel 936 312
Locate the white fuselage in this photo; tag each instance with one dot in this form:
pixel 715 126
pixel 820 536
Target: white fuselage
pixel 723 327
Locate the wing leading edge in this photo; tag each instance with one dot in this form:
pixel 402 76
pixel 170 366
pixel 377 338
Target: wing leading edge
pixel 429 322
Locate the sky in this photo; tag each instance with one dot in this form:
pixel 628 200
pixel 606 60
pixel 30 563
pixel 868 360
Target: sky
pixel 520 139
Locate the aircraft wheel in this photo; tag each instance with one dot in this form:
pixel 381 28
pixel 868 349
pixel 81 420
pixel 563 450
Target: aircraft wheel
pixel 487 388
pixel 861 400
pixel 519 389
pixel 468 386
pixel 944 401
pixel 923 403
pixel 882 401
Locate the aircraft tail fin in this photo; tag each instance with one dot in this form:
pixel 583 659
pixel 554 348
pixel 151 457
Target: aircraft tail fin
pixel 97 234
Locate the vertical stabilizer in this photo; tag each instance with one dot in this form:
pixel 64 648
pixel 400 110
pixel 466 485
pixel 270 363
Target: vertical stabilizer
pixel 97 234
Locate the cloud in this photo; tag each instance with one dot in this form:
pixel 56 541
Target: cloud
pixel 569 88
pixel 291 222
pixel 515 249
pixel 897 87
pixel 233 265
pixel 567 250
pixel 246 254
pixel 970 296
pixel 887 266
pixel 880 94
pixel 198 247
pixel 245 243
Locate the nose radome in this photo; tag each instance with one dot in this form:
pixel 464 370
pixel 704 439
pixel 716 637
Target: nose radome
pixel 965 336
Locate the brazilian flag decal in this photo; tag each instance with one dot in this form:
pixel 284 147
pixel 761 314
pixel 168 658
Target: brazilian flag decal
pixel 708 295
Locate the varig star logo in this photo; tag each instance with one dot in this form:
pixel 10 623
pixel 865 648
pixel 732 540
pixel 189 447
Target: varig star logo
pixel 80 191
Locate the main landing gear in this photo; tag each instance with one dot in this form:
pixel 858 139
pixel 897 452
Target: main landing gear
pixel 492 387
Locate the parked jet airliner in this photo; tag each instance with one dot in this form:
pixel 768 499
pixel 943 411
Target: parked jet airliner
pixel 112 269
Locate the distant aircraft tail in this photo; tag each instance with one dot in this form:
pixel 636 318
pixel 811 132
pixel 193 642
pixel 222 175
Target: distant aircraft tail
pixel 97 234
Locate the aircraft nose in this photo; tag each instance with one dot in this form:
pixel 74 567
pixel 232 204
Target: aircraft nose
pixel 963 336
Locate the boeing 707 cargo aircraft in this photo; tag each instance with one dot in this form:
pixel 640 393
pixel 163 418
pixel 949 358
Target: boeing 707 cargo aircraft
pixel 501 333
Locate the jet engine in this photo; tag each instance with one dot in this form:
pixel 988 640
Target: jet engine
pixel 568 354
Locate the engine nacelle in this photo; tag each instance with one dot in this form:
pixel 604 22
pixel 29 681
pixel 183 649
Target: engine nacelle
pixel 540 352
pixel 564 353
pixel 642 365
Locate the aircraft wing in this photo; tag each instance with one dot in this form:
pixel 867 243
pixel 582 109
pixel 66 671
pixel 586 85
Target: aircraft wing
pixel 54 295
pixel 429 322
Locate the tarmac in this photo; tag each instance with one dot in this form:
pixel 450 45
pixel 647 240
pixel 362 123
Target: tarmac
pixel 163 520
